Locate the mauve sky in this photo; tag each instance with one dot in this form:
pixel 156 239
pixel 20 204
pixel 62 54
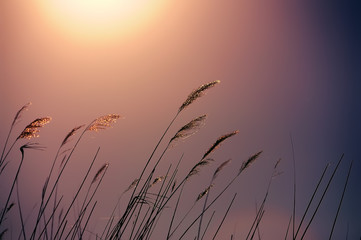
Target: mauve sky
pixel 287 68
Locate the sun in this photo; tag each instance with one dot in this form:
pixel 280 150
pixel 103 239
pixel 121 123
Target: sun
pixel 95 18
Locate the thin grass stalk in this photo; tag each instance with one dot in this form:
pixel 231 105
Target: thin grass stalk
pixel 147 184
pixel 20 211
pixel 116 230
pixel 191 98
pixel 13 184
pixel 46 235
pixel 6 142
pixel 259 212
pixel 63 229
pixel 150 233
pixel 215 174
pixel 16 118
pixel 118 233
pixel 71 133
pixel 174 212
pixel 157 201
pixel 288 227
pixel 7 153
pixel 224 217
pixel 162 199
pixel 138 232
pixel 132 208
pixel 311 199
pixel 51 217
pixel 180 184
pixel 339 205
pixel 97 124
pixel 41 211
pixel 147 188
pixel 257 225
pixel 87 202
pixel 183 218
pixel 52 221
pixel 111 217
pixel 108 231
pixel 214 200
pixel 168 188
pixel 87 221
pixel 294 189
pixel 193 124
pixel 77 193
pixel 244 166
pixel 323 195
pixel 205 230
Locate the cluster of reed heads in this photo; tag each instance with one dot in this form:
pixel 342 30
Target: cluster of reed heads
pixel 144 205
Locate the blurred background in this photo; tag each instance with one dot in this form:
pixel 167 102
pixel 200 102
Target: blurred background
pixel 288 69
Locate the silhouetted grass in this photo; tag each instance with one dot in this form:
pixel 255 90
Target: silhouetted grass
pixel 148 196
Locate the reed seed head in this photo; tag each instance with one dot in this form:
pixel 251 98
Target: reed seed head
pixel 197 93
pixel 99 172
pixel 18 114
pixel 195 169
pixel 32 129
pixel 132 185
pixel 205 192
pixel 103 122
pixel 218 142
pixel 157 180
pixel 189 129
pixel 250 160
pixel 220 168
pixel 70 134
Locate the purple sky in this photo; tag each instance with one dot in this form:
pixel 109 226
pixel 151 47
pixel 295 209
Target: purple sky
pixel 285 68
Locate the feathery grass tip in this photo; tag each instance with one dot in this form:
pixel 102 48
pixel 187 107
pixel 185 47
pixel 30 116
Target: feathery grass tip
pixel 18 114
pixel 197 93
pixel 189 129
pixel 100 171
pixel 215 174
pixel 218 142
pixel 195 169
pixel 249 161
pixel 205 192
pixel 32 129
pixel 70 134
pixel 103 122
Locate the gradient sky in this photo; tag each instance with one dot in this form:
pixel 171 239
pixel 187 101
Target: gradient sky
pixel 286 67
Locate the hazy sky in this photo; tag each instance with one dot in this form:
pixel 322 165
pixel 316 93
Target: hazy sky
pixel 286 68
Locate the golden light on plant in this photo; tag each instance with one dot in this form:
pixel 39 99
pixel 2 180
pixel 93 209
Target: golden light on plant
pixel 99 18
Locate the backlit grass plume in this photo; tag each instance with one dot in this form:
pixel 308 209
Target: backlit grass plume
pixel 157 180
pixel 218 142
pixel 18 114
pixel 215 174
pixel 99 172
pixel 189 129
pixel 195 94
pixel 70 134
pixel 249 161
pixel 103 122
pixel 132 185
pixel 195 169
pixel 205 192
pixel 32 129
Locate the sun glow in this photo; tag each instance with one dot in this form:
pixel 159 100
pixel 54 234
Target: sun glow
pixel 100 18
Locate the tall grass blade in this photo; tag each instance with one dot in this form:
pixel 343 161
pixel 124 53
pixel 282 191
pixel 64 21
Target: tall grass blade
pixel 323 195
pixel 224 217
pixel 339 205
